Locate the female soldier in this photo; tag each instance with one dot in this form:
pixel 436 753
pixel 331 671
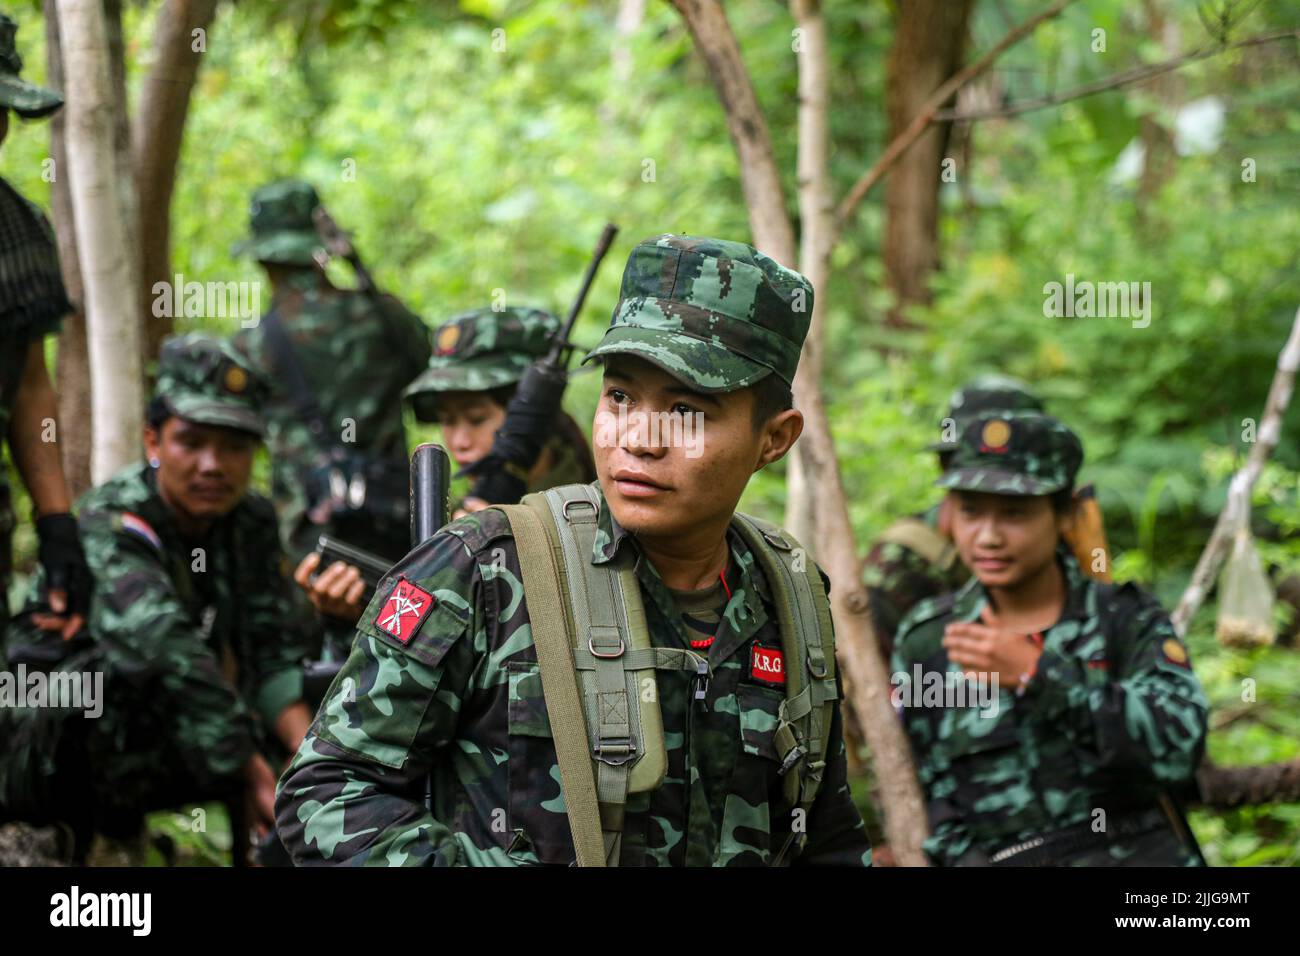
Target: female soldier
pixel 1088 711
pixel 479 357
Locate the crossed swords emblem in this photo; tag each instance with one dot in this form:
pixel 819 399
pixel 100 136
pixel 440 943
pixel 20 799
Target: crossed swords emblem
pixel 401 605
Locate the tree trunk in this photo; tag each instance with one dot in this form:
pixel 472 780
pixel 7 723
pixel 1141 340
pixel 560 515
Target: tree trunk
pixel 929 42
pixel 108 262
pixel 72 371
pixel 159 131
pixel 769 222
pixel 859 653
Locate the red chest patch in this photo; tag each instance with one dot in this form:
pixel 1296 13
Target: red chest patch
pixel 405 610
pixel 768 665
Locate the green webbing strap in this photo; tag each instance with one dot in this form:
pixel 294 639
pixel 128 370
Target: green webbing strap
pixel 546 612
pixel 807 641
pixel 915 535
pixel 596 606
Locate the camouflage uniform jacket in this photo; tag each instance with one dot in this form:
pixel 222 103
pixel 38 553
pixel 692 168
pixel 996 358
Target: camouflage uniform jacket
pixel 164 624
pixel 1112 715
pixel 357 358
pixel 897 579
pixel 463 700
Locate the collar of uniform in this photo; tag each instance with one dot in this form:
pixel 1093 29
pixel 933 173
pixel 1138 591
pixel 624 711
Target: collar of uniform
pixel 611 537
pixel 744 613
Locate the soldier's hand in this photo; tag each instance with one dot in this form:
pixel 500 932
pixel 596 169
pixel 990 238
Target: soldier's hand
pixel 68 580
pixel 259 794
pixel 338 591
pixel 987 648
pixel 469 506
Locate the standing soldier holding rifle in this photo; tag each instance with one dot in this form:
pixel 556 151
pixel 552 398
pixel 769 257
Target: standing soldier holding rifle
pixel 339 360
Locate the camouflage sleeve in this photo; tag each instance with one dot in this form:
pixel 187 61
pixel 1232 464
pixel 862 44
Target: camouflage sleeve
pixel 275 644
pixel 148 632
pixel 412 334
pixel 354 792
pixel 1146 718
pixel 836 833
pixel 897 578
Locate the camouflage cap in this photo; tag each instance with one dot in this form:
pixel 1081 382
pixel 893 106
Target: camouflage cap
pixel 281 223
pixel 203 379
pixel 718 315
pixel 1013 453
pixel 483 349
pixel 985 394
pixel 26 99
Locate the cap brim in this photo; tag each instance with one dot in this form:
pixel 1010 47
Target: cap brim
pixel 290 247
pixel 219 413
pixel 468 375
pixel 704 366
pixel 995 482
pixel 27 99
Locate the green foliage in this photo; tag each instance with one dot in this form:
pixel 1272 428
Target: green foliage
pixel 465 166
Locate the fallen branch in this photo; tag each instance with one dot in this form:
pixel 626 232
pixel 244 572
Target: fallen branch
pixel 1127 78
pixel 1223 788
pixel 1237 507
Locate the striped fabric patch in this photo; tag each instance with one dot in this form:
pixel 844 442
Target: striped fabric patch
pixel 137 526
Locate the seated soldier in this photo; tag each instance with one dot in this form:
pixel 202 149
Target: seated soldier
pixel 479 357
pixel 1088 717
pixel 187 623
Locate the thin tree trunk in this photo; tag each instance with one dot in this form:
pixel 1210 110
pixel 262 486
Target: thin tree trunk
pixel 72 371
pixel 929 41
pixel 769 222
pixel 817 217
pixel 1237 508
pixel 859 653
pixel 159 132
pixel 108 263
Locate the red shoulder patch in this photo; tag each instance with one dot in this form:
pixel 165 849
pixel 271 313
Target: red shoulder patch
pixel 405 610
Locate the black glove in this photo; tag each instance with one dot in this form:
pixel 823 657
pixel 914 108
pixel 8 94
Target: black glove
pixel 501 477
pixel 64 562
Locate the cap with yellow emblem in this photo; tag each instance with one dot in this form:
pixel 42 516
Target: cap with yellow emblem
pixel 480 350
pixel 202 379
pixel 1013 453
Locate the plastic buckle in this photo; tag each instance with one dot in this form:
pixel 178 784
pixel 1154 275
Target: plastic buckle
pixel 620 750
pixel 818 674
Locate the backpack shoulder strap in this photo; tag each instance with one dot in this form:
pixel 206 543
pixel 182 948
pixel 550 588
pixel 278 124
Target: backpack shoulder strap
pixel 546 612
pixel 915 535
pixel 808 643
pixel 608 646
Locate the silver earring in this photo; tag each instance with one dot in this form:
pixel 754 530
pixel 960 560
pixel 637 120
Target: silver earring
pixel 154 462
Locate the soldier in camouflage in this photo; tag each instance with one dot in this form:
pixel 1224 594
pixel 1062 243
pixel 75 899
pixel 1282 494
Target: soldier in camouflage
pixel 33 303
pixel 478 359
pixel 453 689
pixel 188 624
pixel 338 360
pixel 1089 717
pixel 914 558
